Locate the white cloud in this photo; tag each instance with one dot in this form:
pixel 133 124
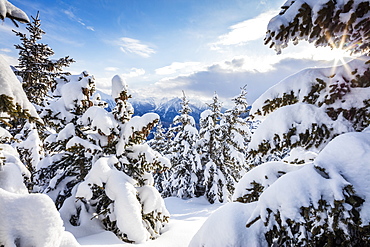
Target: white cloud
pixel 245 31
pixel 226 78
pixel 135 72
pixel 104 84
pixel 73 17
pixel 113 69
pixel 173 82
pixel 176 67
pixel 129 45
pixel 5 50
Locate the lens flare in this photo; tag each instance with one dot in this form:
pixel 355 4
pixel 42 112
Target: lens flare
pixel 339 51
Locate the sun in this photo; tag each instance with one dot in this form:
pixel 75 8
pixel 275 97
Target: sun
pixel 339 52
pixel 339 58
pixel 338 55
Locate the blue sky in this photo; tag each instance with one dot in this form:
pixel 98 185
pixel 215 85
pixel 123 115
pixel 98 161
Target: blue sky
pixel 164 46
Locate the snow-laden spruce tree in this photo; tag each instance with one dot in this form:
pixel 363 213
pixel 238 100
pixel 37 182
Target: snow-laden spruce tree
pixel 236 131
pixel 73 139
pixel 224 138
pixel 18 226
pixel 336 100
pixel 123 110
pixel 184 175
pixel 117 189
pixel 25 219
pixel 38 73
pixel 30 149
pixel 68 101
pixel 137 158
pixel 217 182
pixel 159 143
pixel 168 136
pixel 324 202
pixel 334 213
pixel 223 144
pixel 12 103
pixel 37 70
pixel 71 144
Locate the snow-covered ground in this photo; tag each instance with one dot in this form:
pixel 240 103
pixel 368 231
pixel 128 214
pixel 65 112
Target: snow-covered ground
pixel 187 216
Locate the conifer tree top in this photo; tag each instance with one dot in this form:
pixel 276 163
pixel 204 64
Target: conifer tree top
pixel 118 85
pixel 37 70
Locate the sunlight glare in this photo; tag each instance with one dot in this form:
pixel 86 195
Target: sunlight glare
pixel 338 54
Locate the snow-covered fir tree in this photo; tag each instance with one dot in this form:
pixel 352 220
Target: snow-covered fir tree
pixel 237 130
pixel 236 134
pixel 38 74
pixel 159 143
pixel 25 219
pixel 123 110
pixel 137 158
pixel 161 175
pixel 30 149
pixel 217 183
pixel 184 178
pixel 117 190
pixel 337 216
pixel 330 97
pixel 73 141
pixel 12 104
pixel 169 135
pixel 36 69
pixel 16 106
pixel 322 201
pixel 224 138
pixel 23 215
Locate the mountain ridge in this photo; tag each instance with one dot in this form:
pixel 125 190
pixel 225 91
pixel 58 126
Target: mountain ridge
pixel 166 108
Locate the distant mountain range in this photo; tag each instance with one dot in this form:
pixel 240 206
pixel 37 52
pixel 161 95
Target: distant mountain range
pixel 166 108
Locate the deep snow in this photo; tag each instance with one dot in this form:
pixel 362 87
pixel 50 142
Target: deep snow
pixel 187 216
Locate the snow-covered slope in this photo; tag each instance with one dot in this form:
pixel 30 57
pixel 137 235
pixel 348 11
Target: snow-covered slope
pixel 337 181
pixel 187 216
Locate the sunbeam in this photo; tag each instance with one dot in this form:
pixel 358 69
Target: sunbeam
pixel 339 52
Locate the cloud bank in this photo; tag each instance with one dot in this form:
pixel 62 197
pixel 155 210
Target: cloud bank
pixel 227 78
pixel 177 67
